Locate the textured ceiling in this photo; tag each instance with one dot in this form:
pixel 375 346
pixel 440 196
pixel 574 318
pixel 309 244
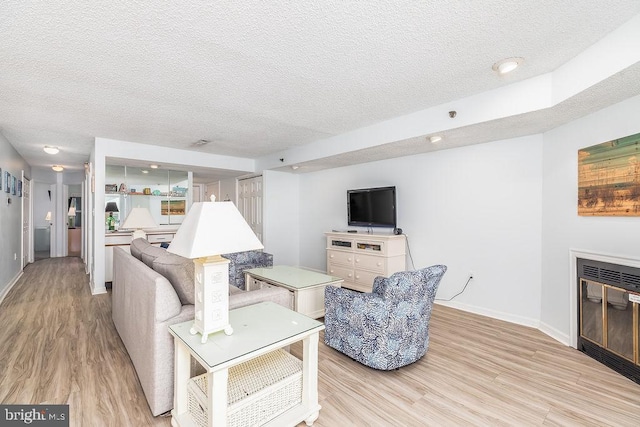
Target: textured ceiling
pixel 258 78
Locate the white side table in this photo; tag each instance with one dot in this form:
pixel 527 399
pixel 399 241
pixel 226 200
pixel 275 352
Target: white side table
pixel 258 329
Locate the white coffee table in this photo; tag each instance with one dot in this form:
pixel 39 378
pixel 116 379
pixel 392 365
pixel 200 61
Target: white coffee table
pixel 306 286
pixel 257 329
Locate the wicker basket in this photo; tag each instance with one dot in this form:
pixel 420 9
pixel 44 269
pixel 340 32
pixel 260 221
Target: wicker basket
pixel 258 390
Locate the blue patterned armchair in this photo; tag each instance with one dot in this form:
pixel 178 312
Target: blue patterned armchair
pixel 241 261
pixel 387 328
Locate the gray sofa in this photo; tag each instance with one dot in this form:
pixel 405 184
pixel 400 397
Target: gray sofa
pixel 151 290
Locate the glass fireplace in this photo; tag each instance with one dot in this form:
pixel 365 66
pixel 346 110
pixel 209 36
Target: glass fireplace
pixel 608 321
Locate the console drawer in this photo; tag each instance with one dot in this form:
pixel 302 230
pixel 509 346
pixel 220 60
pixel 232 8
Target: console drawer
pixel 365 277
pixel 369 262
pixel 342 272
pixel 342 258
pixel 159 238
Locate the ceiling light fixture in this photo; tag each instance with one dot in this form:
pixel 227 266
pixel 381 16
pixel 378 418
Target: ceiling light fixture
pixel 57 168
pixel 295 167
pixel 507 65
pixel 144 171
pixel 51 150
pixel 154 166
pixel 435 138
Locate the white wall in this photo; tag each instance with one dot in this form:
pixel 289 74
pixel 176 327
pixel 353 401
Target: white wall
pixel 475 209
pixel 10 217
pixel 562 228
pixel 281 217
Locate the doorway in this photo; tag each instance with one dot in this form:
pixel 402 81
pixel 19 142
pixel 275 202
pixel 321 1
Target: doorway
pixel 43 219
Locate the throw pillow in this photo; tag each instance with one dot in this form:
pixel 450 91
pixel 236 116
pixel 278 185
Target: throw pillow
pixel 138 246
pixel 151 253
pixel 179 271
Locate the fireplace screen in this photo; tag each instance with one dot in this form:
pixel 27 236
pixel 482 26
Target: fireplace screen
pixel 609 325
pixel 608 318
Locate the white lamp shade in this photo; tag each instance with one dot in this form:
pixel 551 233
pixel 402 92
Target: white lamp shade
pixel 213 228
pixel 48 216
pixel 72 211
pixel 139 218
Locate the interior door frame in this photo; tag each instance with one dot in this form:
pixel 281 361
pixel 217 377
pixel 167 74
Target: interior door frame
pixel 28 254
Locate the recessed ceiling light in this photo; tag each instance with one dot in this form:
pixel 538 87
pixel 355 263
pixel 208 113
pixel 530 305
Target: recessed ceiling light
pixel 507 65
pixel 154 166
pixel 295 167
pixel 57 168
pixel 50 150
pixel 144 171
pixel 435 138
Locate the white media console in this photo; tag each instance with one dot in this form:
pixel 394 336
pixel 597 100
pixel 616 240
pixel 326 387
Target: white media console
pixel 359 258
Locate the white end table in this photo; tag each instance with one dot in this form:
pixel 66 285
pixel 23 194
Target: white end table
pixel 306 286
pixel 258 329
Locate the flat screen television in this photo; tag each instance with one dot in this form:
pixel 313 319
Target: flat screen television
pixel 372 207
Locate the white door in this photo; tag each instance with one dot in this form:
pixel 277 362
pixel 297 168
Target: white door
pixel 26 221
pixel 212 188
pixel 250 203
pixel 196 193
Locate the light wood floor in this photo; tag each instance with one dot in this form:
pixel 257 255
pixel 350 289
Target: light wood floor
pixel 59 345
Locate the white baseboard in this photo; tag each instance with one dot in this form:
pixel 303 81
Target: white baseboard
pixel 507 317
pixel 8 288
pixel 97 290
pixel 555 334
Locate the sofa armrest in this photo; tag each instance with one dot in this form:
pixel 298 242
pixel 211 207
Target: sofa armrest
pixel 135 282
pixel 278 295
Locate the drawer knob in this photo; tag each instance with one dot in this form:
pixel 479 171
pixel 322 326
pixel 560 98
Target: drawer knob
pixel 349 275
pixel 331 256
pixel 379 264
pixel 357 277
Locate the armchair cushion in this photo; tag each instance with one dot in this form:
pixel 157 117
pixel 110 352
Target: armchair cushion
pixel 387 328
pixel 241 261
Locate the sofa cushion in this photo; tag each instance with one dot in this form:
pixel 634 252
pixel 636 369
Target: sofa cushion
pixel 180 272
pixel 151 253
pixel 138 246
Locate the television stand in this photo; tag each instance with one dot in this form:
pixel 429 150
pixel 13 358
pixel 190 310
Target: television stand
pixel 360 259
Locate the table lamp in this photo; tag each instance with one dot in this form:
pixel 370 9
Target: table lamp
pixel 138 219
pixel 111 208
pixel 209 230
pixel 72 216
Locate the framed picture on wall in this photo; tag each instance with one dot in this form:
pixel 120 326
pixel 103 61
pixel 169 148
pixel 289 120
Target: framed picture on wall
pixel 13 185
pixel 609 178
pixel 19 188
pixel 7 182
